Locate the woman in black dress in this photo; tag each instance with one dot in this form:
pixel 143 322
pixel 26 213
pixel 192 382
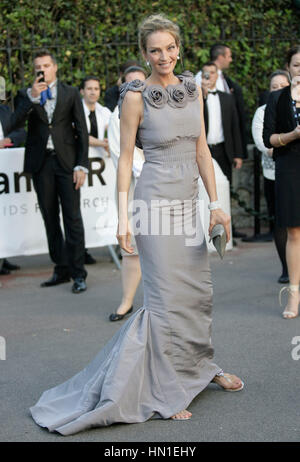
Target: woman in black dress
pixel 282 132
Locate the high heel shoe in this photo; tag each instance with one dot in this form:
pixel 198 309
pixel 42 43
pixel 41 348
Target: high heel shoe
pixel 293 291
pixel 118 317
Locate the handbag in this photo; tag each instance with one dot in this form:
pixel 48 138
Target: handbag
pixel 218 237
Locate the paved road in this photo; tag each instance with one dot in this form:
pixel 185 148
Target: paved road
pixel 51 334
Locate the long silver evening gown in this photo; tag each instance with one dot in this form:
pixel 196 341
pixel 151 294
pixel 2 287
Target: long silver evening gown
pixel 161 357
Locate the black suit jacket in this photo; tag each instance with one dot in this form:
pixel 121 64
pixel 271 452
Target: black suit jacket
pixel 18 135
pixel 237 93
pixel 279 118
pixel 68 130
pixel 231 127
pixel 111 97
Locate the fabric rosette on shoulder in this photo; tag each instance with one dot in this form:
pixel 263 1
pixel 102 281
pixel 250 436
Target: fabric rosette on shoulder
pixel 191 89
pixel 156 96
pixel 190 85
pixel 187 74
pixel 134 85
pixel 178 97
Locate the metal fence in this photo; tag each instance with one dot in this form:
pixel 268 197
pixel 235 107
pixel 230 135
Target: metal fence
pixel 17 54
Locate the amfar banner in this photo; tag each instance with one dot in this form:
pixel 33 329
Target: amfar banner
pixel 22 230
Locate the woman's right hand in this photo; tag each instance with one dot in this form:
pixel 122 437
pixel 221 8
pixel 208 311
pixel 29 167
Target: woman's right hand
pixel 124 237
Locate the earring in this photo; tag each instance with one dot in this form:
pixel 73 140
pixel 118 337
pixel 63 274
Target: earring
pixel 148 64
pixel 178 57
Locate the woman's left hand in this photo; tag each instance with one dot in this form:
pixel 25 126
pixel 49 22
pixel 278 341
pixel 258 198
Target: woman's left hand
pixel 217 217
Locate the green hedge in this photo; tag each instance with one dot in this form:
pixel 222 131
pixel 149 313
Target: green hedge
pixel 96 36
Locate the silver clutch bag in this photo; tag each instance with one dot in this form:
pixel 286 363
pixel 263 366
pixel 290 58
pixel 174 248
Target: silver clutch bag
pixel 218 236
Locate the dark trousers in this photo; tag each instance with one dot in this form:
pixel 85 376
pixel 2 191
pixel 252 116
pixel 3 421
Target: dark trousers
pixel 219 154
pixel 269 190
pixel 280 234
pixel 54 186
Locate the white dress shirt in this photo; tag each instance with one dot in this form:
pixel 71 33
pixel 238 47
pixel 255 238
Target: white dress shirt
pixel 215 133
pixel 268 164
pixel 103 115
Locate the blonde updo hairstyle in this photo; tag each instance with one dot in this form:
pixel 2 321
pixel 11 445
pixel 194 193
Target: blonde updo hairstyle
pixel 155 23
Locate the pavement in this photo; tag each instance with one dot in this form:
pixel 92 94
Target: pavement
pixel 51 334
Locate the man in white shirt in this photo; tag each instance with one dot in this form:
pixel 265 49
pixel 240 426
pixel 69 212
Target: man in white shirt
pixel 221 122
pixel 97 119
pixel 222 125
pixel 96 116
pixel 221 55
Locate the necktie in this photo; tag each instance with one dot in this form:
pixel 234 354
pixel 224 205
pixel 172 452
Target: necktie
pixel 94 127
pixel 46 94
pixel 212 92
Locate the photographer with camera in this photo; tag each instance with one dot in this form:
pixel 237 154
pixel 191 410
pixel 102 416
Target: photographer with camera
pixel 56 154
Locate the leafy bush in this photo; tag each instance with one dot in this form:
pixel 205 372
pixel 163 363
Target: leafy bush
pixel 95 36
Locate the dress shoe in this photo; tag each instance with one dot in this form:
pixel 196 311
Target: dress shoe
pixel 88 259
pixel 4 271
pixel 79 286
pixel 9 266
pixel 118 317
pixel 55 280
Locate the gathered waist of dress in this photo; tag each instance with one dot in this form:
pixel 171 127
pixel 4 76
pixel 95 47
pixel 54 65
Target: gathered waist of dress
pixel 181 151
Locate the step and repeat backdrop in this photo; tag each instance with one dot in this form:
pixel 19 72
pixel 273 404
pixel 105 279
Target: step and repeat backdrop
pixel 22 230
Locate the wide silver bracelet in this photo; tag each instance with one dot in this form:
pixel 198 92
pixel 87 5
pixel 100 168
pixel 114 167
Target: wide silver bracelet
pixel 214 205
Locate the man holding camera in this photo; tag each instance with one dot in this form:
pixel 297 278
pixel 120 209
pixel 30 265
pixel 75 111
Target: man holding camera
pixel 56 154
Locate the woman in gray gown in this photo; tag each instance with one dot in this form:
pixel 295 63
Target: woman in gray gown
pixel 161 358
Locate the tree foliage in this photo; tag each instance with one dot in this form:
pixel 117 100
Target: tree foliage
pixel 95 36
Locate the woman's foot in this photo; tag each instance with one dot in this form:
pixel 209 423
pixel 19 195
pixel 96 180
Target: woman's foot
pixel 228 381
pixel 182 415
pixel 292 308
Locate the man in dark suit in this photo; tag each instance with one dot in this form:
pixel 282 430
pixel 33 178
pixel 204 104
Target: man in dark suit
pixel 9 138
pixel 221 122
pixel 56 154
pixel 221 55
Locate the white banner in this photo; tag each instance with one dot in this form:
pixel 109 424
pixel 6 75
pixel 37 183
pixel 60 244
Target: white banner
pixel 22 230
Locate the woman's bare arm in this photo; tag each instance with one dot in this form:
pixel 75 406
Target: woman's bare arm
pixel 131 115
pixel 204 160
